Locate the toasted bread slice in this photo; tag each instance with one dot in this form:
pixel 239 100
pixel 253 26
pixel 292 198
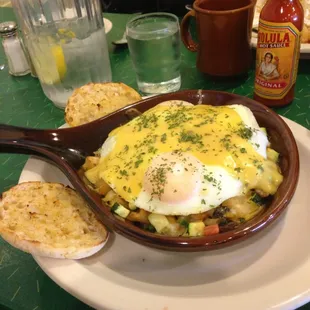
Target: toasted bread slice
pixel 95 100
pixel 50 219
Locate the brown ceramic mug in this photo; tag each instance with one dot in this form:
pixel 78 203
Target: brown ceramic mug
pixel 224 32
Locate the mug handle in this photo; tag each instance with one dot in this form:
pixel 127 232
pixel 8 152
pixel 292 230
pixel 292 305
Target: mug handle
pixel 187 39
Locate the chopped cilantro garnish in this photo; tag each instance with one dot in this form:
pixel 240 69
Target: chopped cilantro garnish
pixel 245 132
pixel 149 227
pixel 138 162
pixel 184 223
pixel 257 199
pixel 146 121
pixel 158 179
pixel 175 118
pixel 114 207
pixel 152 150
pixel 226 142
pixel 260 167
pixel 190 136
pixel 163 138
pixel 209 178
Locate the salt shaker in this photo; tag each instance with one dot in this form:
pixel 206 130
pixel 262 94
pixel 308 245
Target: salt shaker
pixel 17 61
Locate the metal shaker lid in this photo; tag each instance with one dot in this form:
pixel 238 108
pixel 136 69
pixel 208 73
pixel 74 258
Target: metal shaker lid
pixel 8 28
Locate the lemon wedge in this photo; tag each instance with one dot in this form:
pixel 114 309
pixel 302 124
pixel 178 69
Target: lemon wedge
pixel 60 61
pixel 50 64
pixel 66 33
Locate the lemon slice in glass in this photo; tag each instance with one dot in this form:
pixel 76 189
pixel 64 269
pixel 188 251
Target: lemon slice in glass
pixel 66 33
pixel 50 64
pixel 59 60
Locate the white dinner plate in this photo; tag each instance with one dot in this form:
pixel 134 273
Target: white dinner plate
pixel 107 25
pixel 304 48
pixel 268 271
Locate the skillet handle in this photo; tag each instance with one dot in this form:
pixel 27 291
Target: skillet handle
pixel 17 140
pixel 44 143
pixel 23 140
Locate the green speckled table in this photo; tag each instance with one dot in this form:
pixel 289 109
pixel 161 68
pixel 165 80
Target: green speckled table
pixel 23 285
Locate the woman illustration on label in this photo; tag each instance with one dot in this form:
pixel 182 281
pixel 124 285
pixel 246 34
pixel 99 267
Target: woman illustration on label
pixel 267 69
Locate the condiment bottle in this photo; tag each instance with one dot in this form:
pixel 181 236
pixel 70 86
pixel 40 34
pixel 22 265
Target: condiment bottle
pixel 17 61
pixel 277 53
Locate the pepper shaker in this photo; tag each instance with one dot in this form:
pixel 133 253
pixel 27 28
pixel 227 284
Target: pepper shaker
pixel 17 61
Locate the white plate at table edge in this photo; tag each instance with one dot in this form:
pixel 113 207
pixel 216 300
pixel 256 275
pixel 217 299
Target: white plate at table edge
pixel 127 276
pixel 304 48
pixel 107 25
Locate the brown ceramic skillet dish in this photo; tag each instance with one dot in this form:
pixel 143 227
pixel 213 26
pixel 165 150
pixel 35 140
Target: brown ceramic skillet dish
pixel 67 149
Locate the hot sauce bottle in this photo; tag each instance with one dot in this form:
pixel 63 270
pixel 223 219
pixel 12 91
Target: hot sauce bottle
pixel 277 53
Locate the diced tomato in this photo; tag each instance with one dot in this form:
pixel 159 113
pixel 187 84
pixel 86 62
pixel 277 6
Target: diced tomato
pixel 211 230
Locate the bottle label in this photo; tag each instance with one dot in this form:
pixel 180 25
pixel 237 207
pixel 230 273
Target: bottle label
pixel 277 56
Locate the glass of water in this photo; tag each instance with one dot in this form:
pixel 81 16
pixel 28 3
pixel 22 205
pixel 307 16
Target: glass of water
pixel 154 45
pixel 67 44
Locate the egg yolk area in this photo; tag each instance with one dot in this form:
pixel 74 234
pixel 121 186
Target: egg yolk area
pixel 216 136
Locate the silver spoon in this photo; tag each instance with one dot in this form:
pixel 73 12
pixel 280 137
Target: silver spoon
pixel 121 41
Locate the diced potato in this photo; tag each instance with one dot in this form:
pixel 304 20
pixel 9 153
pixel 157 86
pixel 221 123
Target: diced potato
pixel 241 207
pixel 103 188
pixel 174 230
pixel 109 196
pixel 198 217
pixel 272 155
pixel 90 162
pixel 171 219
pixel 139 216
pixel 120 201
pixel 81 174
pixel 270 179
pixel 196 229
pixel 261 193
pixel 93 174
pixel 160 222
pixel 132 206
